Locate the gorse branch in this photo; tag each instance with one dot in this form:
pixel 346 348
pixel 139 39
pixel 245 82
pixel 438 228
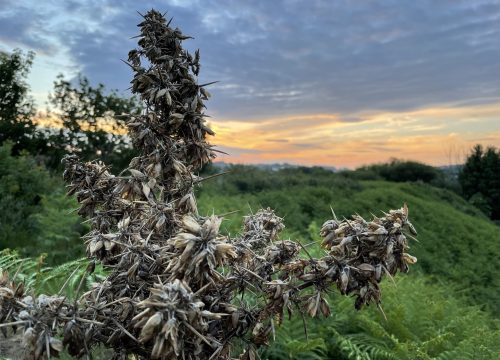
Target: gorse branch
pixel 177 287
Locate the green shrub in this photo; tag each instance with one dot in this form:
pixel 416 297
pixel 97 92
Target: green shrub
pixel 398 171
pixel 480 180
pixel 35 212
pixel 22 185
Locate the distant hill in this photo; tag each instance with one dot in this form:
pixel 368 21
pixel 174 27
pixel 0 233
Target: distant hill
pixel 448 169
pixel 272 167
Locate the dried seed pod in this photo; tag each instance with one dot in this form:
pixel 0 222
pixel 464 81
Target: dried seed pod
pixel 56 346
pixel 324 307
pixel 149 329
pixel 409 259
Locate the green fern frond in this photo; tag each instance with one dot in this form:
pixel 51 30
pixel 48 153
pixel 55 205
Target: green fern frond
pixel 42 279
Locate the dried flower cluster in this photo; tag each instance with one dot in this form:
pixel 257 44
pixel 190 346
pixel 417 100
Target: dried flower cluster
pixel 177 287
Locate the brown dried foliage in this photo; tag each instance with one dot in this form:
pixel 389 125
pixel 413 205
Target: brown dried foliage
pixel 177 287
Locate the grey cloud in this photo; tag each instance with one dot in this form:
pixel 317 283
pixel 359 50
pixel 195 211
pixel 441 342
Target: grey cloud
pixel 21 27
pixel 307 145
pixel 234 151
pixel 385 149
pixel 278 140
pixel 352 119
pixel 296 57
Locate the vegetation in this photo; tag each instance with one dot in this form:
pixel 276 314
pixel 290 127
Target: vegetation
pixel 480 180
pixel 407 171
pixel 21 183
pixel 453 234
pixel 177 287
pixel 35 274
pixel 36 214
pixel 398 171
pixel 92 122
pixel 447 309
pixel 16 106
pixel 424 321
pixel 87 119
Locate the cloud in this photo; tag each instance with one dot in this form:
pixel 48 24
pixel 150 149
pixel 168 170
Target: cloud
pixel 278 140
pixel 326 76
pixel 276 57
pixel 426 135
pixel 236 152
pixel 23 27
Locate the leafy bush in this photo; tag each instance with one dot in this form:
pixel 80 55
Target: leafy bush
pixel 58 229
pixel 22 185
pixel 398 171
pixel 34 211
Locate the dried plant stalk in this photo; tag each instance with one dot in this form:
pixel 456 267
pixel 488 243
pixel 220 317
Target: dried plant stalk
pixel 173 277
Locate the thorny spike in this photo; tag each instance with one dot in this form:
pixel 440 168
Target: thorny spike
pixel 209 83
pixel 176 287
pixel 333 213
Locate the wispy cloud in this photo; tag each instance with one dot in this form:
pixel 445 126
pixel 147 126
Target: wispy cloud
pixel 427 134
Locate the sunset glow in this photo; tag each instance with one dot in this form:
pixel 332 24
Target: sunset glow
pixel 304 82
pixel 438 136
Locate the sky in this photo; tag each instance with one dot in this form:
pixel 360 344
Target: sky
pixel 333 83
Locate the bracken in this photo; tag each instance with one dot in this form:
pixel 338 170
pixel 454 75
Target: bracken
pixel 177 288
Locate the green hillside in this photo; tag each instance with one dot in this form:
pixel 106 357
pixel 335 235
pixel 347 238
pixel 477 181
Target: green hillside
pixel 446 308
pixel 456 242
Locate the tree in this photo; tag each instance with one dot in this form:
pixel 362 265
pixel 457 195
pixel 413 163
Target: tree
pixel 92 121
pixel 399 171
pixel 16 106
pixel 480 180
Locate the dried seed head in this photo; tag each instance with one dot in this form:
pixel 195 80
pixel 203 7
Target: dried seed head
pixel 176 288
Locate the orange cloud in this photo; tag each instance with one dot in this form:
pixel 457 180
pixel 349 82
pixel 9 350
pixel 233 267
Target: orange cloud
pixel 50 120
pixel 439 136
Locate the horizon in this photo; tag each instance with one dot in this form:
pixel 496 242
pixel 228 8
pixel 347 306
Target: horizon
pixel 307 83
pixel 223 164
